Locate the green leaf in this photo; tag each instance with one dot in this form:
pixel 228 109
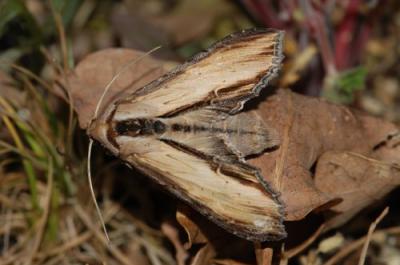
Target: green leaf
pixel 18 27
pixel 352 80
pixel 67 9
pixel 9 9
pixel 341 88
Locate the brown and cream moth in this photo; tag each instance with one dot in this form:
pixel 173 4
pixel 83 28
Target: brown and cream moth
pixel 185 131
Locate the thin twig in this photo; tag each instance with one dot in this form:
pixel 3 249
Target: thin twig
pixel 61 35
pixel 63 43
pixel 358 243
pixel 370 231
pixel 296 250
pixel 284 147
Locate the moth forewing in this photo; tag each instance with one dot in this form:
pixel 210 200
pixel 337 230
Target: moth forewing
pixel 232 70
pixel 242 208
pixel 183 130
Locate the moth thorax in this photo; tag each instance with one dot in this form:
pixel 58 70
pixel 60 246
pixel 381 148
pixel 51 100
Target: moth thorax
pixel 138 127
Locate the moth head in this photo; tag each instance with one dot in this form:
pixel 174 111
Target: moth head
pixel 102 130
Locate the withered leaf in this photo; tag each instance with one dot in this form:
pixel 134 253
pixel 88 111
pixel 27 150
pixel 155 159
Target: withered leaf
pixel 311 129
pixel 363 180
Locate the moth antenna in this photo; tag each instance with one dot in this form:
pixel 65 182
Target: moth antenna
pixel 117 75
pixel 89 156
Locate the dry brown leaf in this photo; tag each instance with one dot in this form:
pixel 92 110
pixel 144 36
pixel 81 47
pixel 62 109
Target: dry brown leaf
pixel 212 239
pixel 309 129
pixel 204 256
pixel 263 255
pixel 326 150
pixel 362 181
pixel 195 236
pixel 231 262
pixel 173 235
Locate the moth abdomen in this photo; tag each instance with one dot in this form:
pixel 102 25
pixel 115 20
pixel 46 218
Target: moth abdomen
pixel 177 127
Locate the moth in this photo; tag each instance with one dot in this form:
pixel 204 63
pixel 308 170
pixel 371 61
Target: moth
pixel 185 130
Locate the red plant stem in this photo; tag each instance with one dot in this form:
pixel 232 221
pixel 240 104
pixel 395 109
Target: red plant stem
pixel 345 34
pixel 262 10
pixel 347 45
pixel 318 28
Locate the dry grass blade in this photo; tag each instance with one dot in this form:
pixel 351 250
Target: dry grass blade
pixel 76 240
pixel 33 76
pixel 20 146
pixel 40 226
pixel 26 154
pixel 121 257
pixel 62 38
pixel 64 52
pixel 33 135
